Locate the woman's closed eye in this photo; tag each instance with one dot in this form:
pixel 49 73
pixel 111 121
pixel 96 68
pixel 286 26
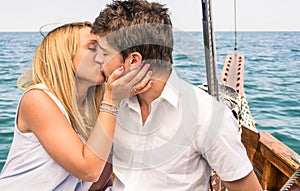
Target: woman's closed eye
pixel 93 48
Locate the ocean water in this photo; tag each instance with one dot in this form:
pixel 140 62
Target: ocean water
pixel 272 76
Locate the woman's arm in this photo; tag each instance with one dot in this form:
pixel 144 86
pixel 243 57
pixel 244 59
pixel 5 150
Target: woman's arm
pixel 38 113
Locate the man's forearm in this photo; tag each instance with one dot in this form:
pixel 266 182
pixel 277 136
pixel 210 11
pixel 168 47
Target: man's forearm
pixel 248 183
pixel 105 179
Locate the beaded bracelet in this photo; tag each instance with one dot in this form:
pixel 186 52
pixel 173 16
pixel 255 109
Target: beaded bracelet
pixel 104 109
pixel 110 104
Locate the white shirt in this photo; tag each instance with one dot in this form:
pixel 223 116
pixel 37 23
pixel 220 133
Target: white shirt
pixel 186 135
pixel 29 167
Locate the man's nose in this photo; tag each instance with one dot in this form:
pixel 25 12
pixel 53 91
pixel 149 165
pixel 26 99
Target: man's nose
pixel 99 57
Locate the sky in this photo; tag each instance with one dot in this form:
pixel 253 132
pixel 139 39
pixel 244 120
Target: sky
pixel 186 15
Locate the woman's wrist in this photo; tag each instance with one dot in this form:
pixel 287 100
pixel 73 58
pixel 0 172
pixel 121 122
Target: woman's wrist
pixel 109 99
pixel 107 110
pixel 108 105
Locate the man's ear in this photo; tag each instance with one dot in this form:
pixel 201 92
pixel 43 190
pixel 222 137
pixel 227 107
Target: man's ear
pixel 132 58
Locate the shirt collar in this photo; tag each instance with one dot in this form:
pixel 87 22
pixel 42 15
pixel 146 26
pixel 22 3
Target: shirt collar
pixel 170 93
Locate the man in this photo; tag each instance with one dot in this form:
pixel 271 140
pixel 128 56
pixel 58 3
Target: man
pixel 171 136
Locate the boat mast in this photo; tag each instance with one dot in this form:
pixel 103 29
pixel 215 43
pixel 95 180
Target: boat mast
pixel 210 50
pixel 235 29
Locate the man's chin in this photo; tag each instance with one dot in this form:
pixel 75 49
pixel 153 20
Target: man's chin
pixel 105 76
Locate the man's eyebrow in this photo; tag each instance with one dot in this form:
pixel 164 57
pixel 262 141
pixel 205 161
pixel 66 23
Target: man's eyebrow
pixel 98 44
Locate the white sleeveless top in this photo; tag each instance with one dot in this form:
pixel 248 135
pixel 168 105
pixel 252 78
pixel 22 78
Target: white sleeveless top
pixel 29 167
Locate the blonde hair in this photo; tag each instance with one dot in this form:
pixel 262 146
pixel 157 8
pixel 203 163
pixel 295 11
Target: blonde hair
pixel 53 66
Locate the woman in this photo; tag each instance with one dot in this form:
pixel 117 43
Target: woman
pixel 61 139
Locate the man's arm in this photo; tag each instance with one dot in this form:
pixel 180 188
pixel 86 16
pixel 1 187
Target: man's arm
pixel 248 183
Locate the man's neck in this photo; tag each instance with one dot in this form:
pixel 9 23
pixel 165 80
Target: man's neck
pixel 145 99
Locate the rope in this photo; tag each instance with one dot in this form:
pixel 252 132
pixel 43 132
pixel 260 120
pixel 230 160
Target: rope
pixel 291 181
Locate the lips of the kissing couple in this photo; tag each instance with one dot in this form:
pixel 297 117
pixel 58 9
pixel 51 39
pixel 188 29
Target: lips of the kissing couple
pixel 104 74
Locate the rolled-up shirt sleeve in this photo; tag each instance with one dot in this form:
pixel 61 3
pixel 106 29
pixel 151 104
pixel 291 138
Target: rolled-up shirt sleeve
pixel 225 153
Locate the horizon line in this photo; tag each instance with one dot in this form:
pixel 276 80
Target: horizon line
pixel 298 30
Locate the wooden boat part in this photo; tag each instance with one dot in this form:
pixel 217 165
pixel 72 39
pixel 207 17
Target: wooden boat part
pixel 233 73
pixel 272 160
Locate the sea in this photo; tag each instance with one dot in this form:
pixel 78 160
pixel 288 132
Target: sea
pixel 272 76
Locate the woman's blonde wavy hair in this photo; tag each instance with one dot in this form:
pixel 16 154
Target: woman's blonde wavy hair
pixel 53 66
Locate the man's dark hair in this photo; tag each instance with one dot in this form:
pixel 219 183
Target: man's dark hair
pixel 137 26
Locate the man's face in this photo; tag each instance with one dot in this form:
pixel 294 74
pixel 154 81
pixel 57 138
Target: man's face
pixel 109 58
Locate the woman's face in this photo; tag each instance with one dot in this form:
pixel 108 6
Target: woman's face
pixel 88 71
